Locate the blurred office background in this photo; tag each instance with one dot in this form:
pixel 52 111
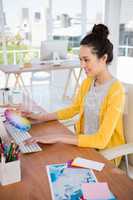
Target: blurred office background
pixel 24 25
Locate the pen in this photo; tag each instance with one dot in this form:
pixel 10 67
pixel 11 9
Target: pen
pixel 2 147
pixel 18 154
pixel 17 148
pixel 10 152
pixel 15 152
pixel 2 158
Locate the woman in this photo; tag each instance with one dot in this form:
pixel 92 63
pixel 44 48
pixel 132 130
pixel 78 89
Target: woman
pixel 99 102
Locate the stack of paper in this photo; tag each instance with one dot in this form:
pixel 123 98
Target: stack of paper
pixel 85 163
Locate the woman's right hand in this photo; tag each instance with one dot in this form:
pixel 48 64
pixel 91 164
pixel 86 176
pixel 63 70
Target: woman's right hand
pixel 42 116
pixel 33 117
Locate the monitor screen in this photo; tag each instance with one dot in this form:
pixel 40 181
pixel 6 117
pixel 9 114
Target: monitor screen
pixel 53 47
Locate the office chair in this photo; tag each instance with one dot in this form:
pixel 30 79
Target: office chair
pixel 70 123
pixel 127 149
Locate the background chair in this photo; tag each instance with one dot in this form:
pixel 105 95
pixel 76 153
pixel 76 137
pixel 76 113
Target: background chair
pixel 125 150
pixel 70 123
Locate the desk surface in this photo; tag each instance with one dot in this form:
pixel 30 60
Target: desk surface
pixel 34 184
pixel 46 66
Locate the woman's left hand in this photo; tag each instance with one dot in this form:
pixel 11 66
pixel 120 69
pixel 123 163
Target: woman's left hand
pixel 51 139
pixel 45 139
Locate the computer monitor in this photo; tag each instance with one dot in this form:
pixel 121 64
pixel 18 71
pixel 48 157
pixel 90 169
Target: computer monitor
pixel 53 47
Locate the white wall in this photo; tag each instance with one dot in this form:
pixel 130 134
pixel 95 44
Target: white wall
pixel 112 20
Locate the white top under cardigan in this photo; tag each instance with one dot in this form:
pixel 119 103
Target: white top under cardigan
pixel 93 101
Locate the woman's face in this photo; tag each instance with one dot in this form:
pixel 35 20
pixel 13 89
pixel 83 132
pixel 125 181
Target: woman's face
pixel 89 61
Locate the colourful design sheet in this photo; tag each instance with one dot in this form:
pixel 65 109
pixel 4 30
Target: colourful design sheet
pixel 65 182
pixel 17 120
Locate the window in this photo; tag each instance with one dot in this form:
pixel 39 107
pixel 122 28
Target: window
pixel 95 13
pixel 25 13
pixel 66 21
pixel 21 28
pixel 125 56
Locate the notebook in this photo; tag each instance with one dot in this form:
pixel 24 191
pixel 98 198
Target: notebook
pixel 97 191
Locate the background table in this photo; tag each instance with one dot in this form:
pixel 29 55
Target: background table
pixel 46 66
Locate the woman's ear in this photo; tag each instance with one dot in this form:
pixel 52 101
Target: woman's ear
pixel 104 58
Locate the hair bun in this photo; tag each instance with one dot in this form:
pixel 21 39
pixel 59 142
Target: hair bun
pixel 101 31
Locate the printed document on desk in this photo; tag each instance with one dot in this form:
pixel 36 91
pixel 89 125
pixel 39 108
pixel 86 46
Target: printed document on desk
pixel 65 182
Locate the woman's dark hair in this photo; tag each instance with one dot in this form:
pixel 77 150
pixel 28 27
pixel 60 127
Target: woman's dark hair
pixel 98 40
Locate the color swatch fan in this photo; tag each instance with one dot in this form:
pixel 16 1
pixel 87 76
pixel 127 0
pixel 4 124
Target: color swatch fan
pixel 17 120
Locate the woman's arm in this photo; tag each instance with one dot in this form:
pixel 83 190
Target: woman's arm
pixel 64 113
pixel 70 139
pixel 74 108
pixel 41 117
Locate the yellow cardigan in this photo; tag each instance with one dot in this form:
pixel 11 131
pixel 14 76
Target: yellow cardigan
pixel 110 132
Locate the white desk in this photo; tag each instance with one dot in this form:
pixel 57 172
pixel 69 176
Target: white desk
pixel 17 70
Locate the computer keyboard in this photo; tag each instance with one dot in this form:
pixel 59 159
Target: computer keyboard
pixel 19 136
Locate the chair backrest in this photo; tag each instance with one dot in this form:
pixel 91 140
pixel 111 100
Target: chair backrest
pixel 51 47
pixel 128 116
